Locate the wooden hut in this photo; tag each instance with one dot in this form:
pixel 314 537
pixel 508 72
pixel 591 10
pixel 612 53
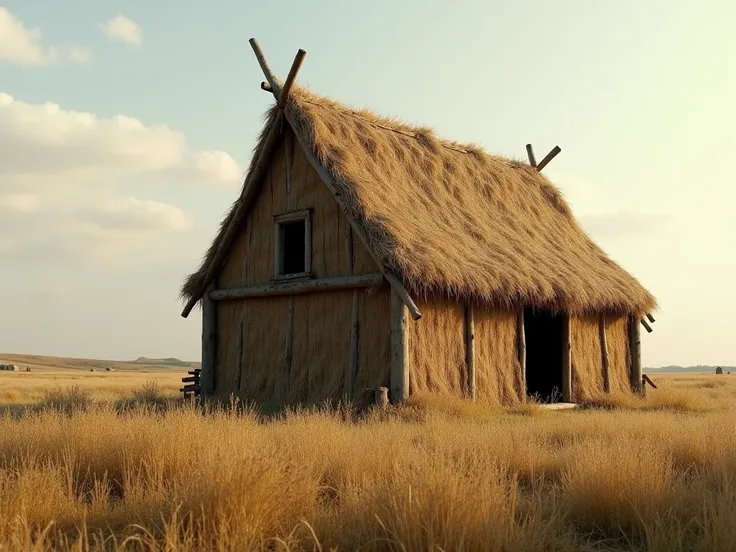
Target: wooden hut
pixel 363 252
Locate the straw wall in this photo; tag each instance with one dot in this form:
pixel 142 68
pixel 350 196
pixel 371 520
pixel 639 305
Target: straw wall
pixel 321 321
pixel 586 357
pixel 497 368
pixel 618 353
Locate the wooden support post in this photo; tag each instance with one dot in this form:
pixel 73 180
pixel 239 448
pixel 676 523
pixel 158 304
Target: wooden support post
pixel 399 349
pixel 521 349
pixel 550 156
pixel 239 365
pixel 470 349
pixel 273 81
pixel 530 155
pixel 635 353
pixel 288 347
pixel 352 368
pixel 567 391
pixel 209 343
pixel 604 353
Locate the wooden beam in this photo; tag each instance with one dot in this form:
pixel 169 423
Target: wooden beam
pixel 239 363
pixel 298 287
pixel 288 347
pixel 530 155
pixel 646 325
pixel 352 368
pixel 635 354
pixel 267 87
pixel 358 229
pixel 209 343
pixel 651 318
pixel 567 390
pixel 521 350
pixel 470 348
pixel 550 156
pixel 273 81
pixel 604 353
pixel 250 189
pixel 399 349
pixel 295 66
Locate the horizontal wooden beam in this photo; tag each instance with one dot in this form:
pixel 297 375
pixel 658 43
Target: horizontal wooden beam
pixel 651 318
pixel 297 288
pixel 646 325
pixel 550 156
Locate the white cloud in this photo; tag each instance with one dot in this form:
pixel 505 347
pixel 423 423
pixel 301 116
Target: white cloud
pixel 23 46
pixel 123 29
pixel 72 185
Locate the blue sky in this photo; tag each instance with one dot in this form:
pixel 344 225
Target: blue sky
pixel 102 216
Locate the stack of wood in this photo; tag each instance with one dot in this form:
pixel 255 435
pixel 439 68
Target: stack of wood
pixel 192 383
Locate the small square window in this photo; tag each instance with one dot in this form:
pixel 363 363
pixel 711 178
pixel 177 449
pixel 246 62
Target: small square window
pixel 293 245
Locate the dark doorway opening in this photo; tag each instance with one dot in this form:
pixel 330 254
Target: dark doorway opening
pixel 543 332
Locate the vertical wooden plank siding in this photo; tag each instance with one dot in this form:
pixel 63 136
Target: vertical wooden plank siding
pixel 521 340
pixel 604 354
pixel 239 364
pixel 399 349
pixel 635 353
pixel 352 368
pixel 209 342
pixel 289 346
pixel 470 349
pixel 567 391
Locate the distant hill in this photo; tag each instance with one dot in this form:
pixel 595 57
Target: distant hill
pixel 163 362
pixel 691 369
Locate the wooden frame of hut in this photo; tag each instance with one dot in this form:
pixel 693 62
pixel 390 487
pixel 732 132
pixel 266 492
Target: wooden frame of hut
pixel 365 253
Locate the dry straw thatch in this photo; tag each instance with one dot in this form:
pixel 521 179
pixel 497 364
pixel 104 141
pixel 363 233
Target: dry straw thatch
pixel 451 220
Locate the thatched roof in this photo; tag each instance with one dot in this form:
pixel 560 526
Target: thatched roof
pixel 449 218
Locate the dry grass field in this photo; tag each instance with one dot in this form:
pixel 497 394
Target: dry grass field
pixel 89 470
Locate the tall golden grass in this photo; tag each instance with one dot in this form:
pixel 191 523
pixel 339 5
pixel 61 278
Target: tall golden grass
pixel 654 474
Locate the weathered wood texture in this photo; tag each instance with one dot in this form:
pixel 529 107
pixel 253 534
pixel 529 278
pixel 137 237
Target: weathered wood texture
pixel 288 347
pixel 399 349
pixel 241 330
pixel 635 354
pixel 567 389
pixel 251 260
pixel 298 287
pixel 521 341
pixel 530 155
pixel 470 349
pixel 209 344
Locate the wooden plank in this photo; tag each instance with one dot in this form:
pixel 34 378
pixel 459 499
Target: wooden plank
pixel 530 155
pixel 354 339
pixel 327 178
pixel 470 349
pixel 635 354
pixel 288 141
pixel 298 287
pixel 239 364
pixel 209 343
pixel 567 390
pixel 550 156
pixel 189 379
pixel 604 353
pixel 399 349
pixel 288 347
pixel 250 188
pixel 521 344
pixel 651 318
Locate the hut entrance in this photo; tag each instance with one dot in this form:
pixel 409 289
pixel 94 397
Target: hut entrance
pixel 543 332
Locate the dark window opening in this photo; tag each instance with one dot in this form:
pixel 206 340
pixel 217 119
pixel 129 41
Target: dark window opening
pixel 293 247
pixel 543 332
